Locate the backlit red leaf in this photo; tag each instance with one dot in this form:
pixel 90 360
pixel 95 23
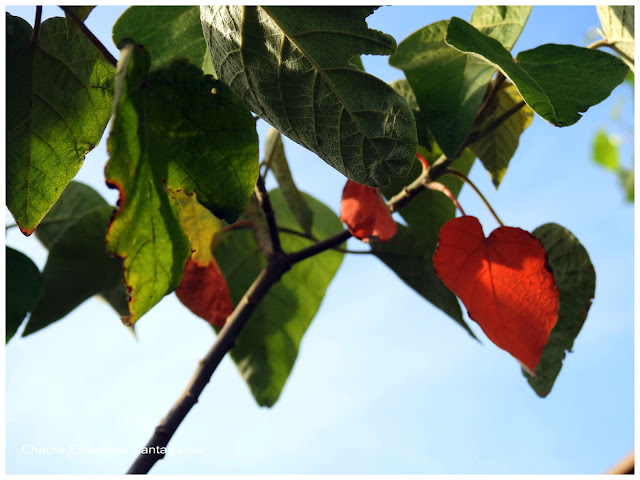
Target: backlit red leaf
pixel 366 215
pixel 504 283
pixel 204 291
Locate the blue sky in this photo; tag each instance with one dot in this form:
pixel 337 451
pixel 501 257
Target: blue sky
pixel 384 383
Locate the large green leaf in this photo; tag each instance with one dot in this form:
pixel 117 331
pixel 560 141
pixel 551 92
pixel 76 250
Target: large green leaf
pixel 618 25
pixel 76 200
pixel 169 32
pixel 170 131
pixel 450 86
pixel 59 98
pixel 78 267
pixel 496 149
pixel 291 66
pixel 24 284
pixel 576 281
pixel 277 162
pixel 81 12
pixel 605 151
pixel 410 252
pixel 557 81
pixel 268 346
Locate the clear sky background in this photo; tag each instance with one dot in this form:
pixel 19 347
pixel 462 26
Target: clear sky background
pixel 384 383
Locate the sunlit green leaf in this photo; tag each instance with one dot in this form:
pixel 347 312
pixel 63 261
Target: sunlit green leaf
pixel 576 280
pixel 496 149
pixel 169 32
pixel 559 82
pixel 81 12
pixel 449 85
pixel 171 132
pixel 605 151
pixel 291 65
pixel 59 99
pixel 24 284
pixel 277 161
pixel 618 25
pixel 268 345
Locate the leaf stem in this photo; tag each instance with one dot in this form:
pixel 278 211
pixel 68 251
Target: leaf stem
pixel 311 237
pixel 267 209
pixel 464 178
pixel 36 26
pixel 89 34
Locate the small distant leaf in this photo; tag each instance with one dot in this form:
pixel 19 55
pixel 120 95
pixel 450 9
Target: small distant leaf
pixel 605 151
pixel 24 284
pixel 449 85
pixel 627 181
pixel 169 32
pixel 557 81
pixel 576 281
pixel 291 65
pixel 275 159
pixel 59 100
pixel 204 291
pixel 503 281
pixel 266 350
pixel 170 132
pixel 81 13
pixel 618 25
pixel 365 213
pixel 496 149
pixel 78 267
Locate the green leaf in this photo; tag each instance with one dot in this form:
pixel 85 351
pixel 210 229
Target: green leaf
pixel 277 161
pixel 557 81
pixel 171 132
pixel 291 65
pixel 24 283
pixel 59 98
pixel 618 25
pixel 496 149
pixel 605 151
pixel 76 200
pixel 425 139
pixel 169 32
pixel 450 86
pixel 626 177
pixel 268 346
pixel 576 282
pixel 77 268
pixel 81 13
pixel 410 252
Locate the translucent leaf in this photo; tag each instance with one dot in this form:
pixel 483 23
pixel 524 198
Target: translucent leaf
pixel 496 149
pixel 59 99
pixel 267 348
pixel 618 25
pixel 605 151
pixel 291 65
pixel 557 81
pixel 169 32
pixel 449 85
pixel 171 132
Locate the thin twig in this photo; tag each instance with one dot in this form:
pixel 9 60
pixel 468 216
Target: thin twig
pixel 500 79
pixel 603 42
pixel 36 26
pixel 225 340
pixel 312 238
pixel 464 178
pixel 89 34
pixel 265 205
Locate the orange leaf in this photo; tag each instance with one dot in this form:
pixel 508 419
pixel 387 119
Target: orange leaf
pixel 366 215
pixel 504 283
pixel 204 291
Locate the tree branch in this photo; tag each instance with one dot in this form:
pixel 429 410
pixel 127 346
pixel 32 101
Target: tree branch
pixel 36 26
pixel 265 205
pixel 89 34
pixel 225 340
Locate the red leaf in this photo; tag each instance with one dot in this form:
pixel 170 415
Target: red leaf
pixel 204 291
pixel 503 281
pixel 366 215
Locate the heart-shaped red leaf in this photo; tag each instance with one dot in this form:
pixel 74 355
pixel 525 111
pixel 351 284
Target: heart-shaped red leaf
pixel 364 212
pixel 204 291
pixel 504 283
